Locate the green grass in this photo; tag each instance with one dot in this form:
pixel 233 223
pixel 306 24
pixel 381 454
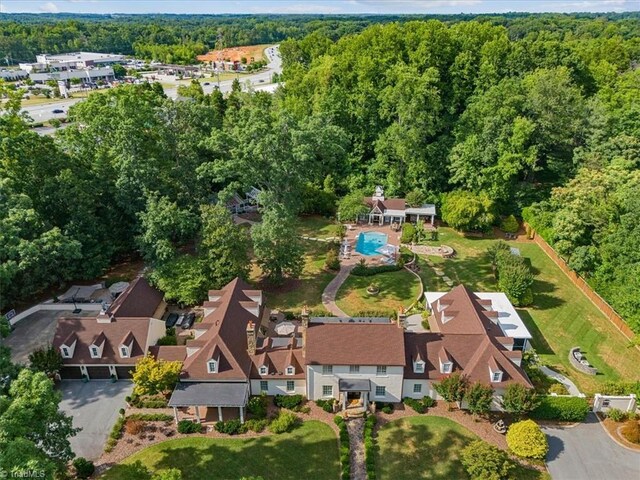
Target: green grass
pixel 310 451
pixel 316 226
pixel 427 447
pixel 306 290
pixel 397 289
pixel 561 316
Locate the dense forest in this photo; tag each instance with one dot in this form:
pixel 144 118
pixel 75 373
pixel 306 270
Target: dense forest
pixel 537 116
pixel 179 38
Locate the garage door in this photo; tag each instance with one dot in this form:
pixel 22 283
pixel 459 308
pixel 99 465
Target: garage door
pixel 96 373
pixel 70 373
pixel 123 372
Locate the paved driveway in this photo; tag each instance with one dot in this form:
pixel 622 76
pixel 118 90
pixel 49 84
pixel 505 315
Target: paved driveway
pixel 94 407
pixel 35 331
pixel 586 451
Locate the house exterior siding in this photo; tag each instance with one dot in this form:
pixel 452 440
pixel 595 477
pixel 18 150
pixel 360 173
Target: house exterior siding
pixel 279 387
pixel 408 388
pixel 392 381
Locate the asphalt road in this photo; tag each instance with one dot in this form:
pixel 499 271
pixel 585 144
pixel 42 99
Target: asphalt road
pixel 586 452
pixel 260 81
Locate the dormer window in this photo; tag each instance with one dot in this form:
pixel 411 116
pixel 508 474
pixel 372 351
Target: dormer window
pixel 212 366
pixel 446 367
pixel 124 351
pixel 94 352
pixel 418 367
pixel 65 352
pixel 496 376
pixel 290 370
pixel 264 370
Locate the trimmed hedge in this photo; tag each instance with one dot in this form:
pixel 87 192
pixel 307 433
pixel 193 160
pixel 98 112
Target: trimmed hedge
pixel 187 426
pixel 363 271
pixel 384 407
pixel 257 406
pixel 230 427
pixel 527 440
pixel 345 448
pixel 370 447
pixel 420 406
pixel 566 409
pixel 287 401
pixel 151 417
pixel 283 422
pixel 326 405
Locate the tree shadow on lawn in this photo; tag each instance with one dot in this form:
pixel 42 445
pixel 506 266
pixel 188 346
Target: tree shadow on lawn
pixel 539 342
pixel 413 451
pixel 472 270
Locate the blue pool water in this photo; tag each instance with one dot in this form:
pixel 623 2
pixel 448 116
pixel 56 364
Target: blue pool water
pixel 370 242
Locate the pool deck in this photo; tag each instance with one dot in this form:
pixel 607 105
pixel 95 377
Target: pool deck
pixel 393 238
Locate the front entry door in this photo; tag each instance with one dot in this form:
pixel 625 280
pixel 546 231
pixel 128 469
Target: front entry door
pixel 354 399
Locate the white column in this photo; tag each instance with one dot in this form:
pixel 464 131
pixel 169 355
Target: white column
pixel 220 413
pixel 241 414
pixel 344 401
pixel 432 219
pixel 417 218
pixel 198 414
pixel 175 414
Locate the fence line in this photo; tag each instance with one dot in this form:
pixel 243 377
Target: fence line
pixel 585 288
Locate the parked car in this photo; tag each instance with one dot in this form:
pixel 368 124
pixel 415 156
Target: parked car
pixel 171 320
pixel 180 320
pixel 58 110
pixel 207 83
pixel 189 318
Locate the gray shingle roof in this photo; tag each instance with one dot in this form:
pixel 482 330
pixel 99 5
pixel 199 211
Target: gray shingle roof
pixel 210 394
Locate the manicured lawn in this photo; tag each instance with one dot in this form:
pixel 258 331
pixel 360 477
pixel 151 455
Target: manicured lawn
pixel 427 447
pixel 310 451
pixel 561 316
pixel 397 289
pixel 316 226
pixel 306 290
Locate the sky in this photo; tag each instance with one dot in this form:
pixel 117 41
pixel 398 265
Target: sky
pixel 316 6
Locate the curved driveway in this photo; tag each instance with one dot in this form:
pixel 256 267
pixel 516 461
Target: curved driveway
pixel 586 452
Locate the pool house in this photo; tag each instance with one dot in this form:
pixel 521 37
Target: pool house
pixel 394 210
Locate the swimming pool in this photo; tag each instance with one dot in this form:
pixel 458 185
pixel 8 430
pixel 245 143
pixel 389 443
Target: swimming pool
pixel 370 242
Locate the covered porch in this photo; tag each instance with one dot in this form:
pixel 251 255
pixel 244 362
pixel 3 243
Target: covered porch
pixel 214 396
pixel 354 393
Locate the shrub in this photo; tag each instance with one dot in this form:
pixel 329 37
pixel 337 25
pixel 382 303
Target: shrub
pixel 558 389
pixel 187 426
pixel 332 262
pixel 415 404
pixel 151 417
pixel 510 224
pixel 345 447
pixel 168 340
pixel 116 431
pixel 384 407
pixel 452 388
pixel 485 461
pixel 152 402
pixel 326 405
pixel 133 427
pixel 525 439
pixel 305 409
pixel 566 409
pixel 370 447
pixel 84 468
pixel 408 233
pixel 428 402
pixel 616 415
pixel 479 398
pixel 256 425
pixel 621 388
pixel 283 422
pixel 287 401
pixel 519 400
pixel 257 406
pixel 631 431
pixel 230 427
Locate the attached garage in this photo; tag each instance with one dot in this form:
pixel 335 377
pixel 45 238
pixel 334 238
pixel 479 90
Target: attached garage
pixel 71 373
pixel 123 372
pixel 98 373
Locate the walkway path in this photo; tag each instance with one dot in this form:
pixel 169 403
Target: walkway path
pixel 330 291
pixel 438 271
pixel 571 387
pixel 355 427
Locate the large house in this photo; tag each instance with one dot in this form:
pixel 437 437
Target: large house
pixel 109 344
pixel 395 210
pixel 237 353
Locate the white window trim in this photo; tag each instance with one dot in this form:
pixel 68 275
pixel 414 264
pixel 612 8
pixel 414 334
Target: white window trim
pixel 446 367
pixel 124 351
pixel 354 368
pixel 290 371
pixel 264 370
pixel 418 367
pixel 264 389
pixel 496 377
pixel 327 395
pixel 65 352
pixel 329 369
pixel 293 386
pixel 377 395
pixel 378 368
pixel 417 388
pixel 215 366
pixel 94 351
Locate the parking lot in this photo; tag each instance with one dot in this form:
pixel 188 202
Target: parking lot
pixel 36 331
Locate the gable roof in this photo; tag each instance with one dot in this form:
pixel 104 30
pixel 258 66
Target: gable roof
pixel 140 299
pixel 278 359
pixel 88 332
pixel 354 344
pixel 461 312
pixel 225 331
pixel 386 204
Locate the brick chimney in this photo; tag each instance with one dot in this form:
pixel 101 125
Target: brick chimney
pixel 304 317
pixel 402 317
pixel 251 338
